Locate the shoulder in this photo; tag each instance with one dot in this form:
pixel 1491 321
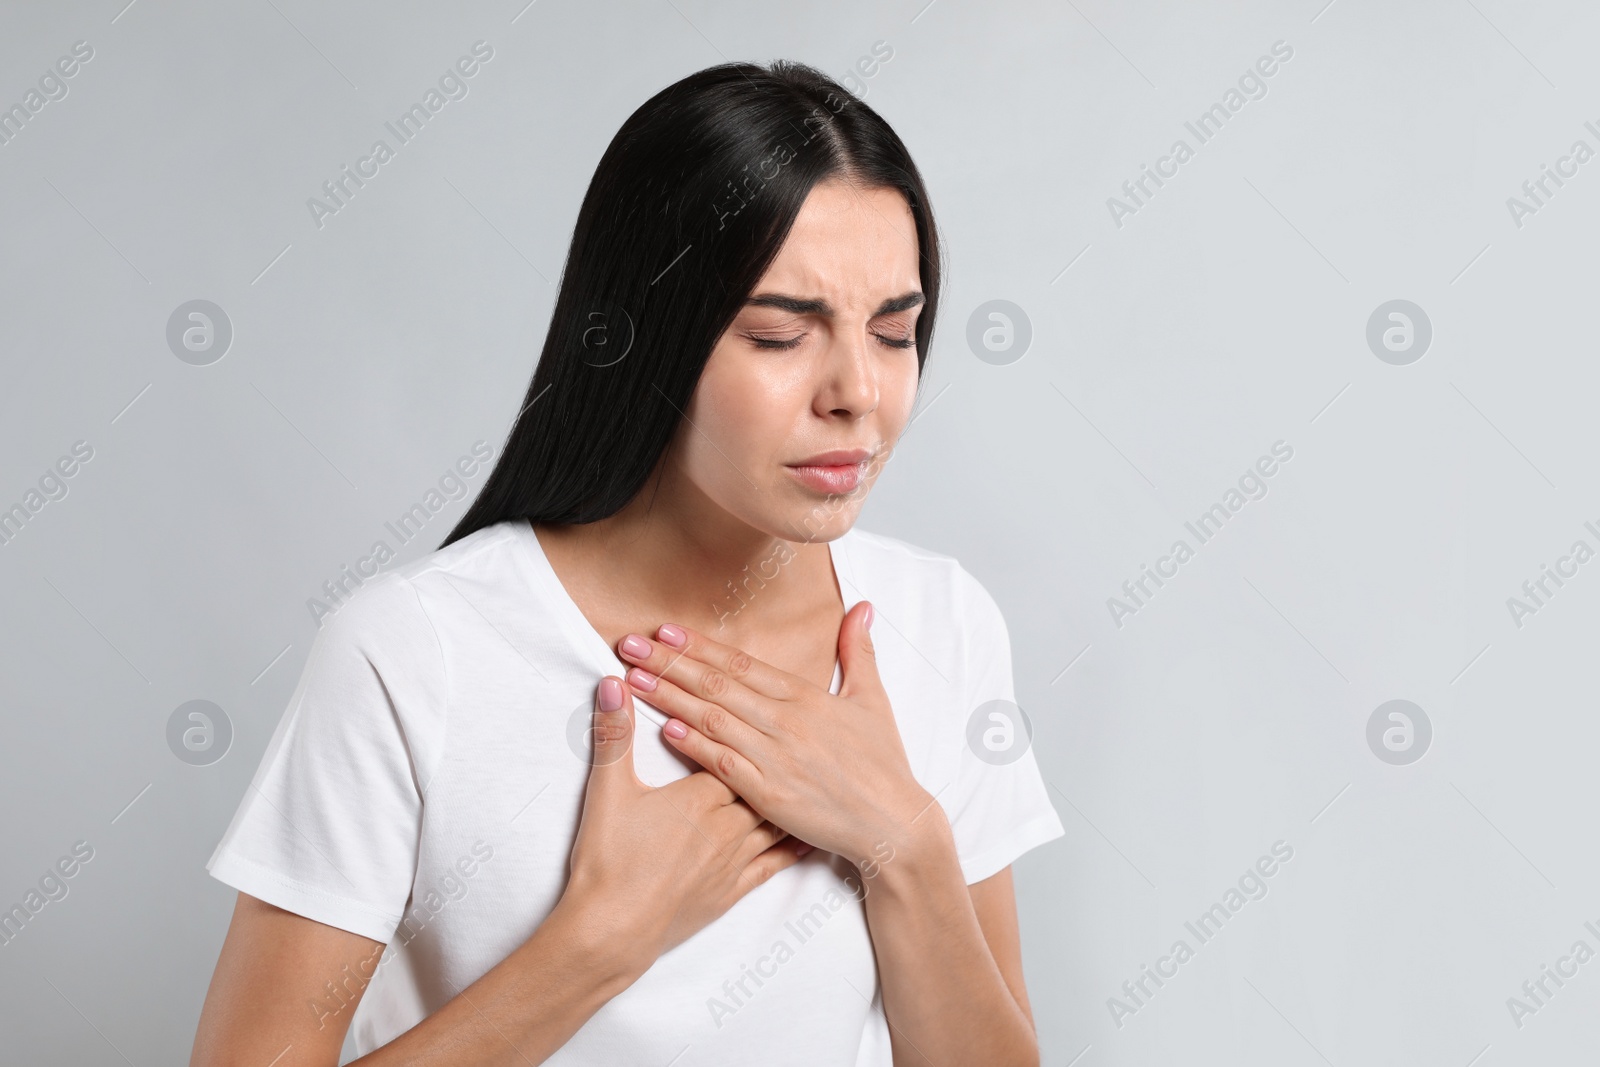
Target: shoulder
pixel 892 564
pixel 395 620
pixel 482 554
pixel 381 656
pixel 927 591
pixel 404 598
pixel 880 558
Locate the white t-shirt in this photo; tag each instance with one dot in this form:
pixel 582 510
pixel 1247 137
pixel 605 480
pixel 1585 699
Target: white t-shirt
pixel 425 784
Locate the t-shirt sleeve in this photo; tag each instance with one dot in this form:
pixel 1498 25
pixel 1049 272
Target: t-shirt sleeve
pixel 998 804
pixel 329 825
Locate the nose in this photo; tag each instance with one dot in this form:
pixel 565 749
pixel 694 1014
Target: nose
pixel 849 384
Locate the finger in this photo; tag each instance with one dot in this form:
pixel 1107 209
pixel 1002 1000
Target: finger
pixel 733 769
pixel 763 867
pixel 739 834
pixel 724 685
pixel 611 737
pixel 858 660
pixel 738 820
pixel 757 675
pixel 757 841
pixel 715 720
pixel 706 791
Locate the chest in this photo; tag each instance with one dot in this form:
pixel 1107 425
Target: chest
pixel 805 644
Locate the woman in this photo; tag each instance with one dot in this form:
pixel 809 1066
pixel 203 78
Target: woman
pixel 763 841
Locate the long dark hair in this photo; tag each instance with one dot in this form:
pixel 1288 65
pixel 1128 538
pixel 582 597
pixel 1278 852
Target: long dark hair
pixel 687 208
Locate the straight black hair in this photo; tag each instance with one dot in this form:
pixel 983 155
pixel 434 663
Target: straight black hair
pixel 687 208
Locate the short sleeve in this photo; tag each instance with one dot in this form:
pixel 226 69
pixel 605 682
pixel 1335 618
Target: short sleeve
pixel 329 825
pixel 997 804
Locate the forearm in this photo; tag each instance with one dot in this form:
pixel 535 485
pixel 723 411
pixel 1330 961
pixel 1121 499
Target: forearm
pixel 945 998
pixel 527 1006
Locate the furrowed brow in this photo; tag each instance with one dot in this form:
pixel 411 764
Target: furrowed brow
pixel 812 306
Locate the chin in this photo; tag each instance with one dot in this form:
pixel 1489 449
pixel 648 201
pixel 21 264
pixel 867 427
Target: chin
pixel 826 519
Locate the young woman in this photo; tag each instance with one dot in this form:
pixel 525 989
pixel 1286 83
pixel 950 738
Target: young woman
pixel 624 773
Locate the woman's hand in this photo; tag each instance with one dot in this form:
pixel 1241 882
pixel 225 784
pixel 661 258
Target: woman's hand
pixel 829 769
pixel 651 866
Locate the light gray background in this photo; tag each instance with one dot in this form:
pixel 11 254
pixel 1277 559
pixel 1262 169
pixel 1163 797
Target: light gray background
pixel 1167 355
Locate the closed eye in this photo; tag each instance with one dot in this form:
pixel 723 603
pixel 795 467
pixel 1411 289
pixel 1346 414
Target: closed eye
pixel 794 342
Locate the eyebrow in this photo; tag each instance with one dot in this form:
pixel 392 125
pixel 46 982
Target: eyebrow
pixel 804 306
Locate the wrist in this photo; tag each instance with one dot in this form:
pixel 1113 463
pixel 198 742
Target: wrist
pixel 916 824
pixel 921 853
pixel 607 946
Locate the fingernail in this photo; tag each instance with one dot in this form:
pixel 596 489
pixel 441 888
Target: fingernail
pixel 635 646
pixel 671 635
pixel 802 848
pixel 610 694
pixel 675 729
pixel 641 679
pixel 870 613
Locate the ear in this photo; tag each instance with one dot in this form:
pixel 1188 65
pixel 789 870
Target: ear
pixel 858 660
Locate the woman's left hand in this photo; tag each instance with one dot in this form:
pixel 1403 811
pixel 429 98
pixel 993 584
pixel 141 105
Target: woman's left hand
pixel 831 770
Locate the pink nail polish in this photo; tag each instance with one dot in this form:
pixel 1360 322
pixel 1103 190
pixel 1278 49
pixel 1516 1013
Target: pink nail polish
pixel 610 694
pixel 671 635
pixel 675 729
pixel 635 646
pixel 641 679
pixel 870 614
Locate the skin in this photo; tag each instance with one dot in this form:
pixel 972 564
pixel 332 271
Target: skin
pixel 788 766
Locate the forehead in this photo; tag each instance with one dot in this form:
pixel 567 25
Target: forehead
pixel 851 244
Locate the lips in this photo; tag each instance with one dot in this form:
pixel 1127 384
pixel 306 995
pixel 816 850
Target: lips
pixel 839 457
pixel 839 471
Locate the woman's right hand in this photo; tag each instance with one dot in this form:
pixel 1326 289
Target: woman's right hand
pixel 650 865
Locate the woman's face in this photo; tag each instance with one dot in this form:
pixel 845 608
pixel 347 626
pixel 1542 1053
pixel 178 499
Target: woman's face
pixel 821 359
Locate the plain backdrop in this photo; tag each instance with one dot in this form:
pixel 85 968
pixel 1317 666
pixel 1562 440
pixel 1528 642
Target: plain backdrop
pixel 1171 343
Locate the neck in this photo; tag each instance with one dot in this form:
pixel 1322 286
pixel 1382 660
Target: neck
pixel 680 557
